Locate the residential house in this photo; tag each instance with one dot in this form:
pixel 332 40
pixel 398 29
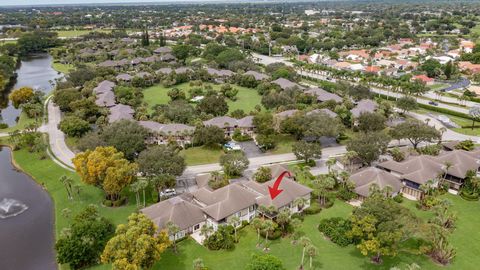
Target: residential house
pixel 323 95
pixel 124 77
pixel 164 133
pixel 120 112
pixel 324 111
pixel 287 84
pixel 229 124
pixel 188 216
pixel 424 78
pixel 364 106
pixel 368 177
pixel 257 75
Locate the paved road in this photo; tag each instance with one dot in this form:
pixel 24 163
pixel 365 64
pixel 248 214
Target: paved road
pixel 56 137
pixel 266 60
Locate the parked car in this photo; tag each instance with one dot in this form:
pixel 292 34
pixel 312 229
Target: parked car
pixel 433 103
pixel 169 192
pixel 232 146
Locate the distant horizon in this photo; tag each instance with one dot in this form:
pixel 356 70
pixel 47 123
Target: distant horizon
pixel 33 3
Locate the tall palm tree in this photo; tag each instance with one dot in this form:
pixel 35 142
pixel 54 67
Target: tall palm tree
pixel 258 225
pixel 143 184
pixel 235 221
pixel 304 241
pixel 173 229
pixel 330 163
pixel 300 203
pixel 205 231
pixel 135 187
pixel 312 252
pixel 268 227
pixel 67 182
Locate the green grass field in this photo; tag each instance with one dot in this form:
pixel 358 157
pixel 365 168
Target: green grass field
pixel 284 144
pixel 247 98
pixel 201 155
pixel 77 33
pixel 63 68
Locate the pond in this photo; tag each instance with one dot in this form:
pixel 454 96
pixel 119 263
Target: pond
pixel 26 220
pixel 34 71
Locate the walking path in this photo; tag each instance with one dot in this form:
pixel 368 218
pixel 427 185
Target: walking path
pixel 58 147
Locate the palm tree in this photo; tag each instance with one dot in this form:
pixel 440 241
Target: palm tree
pixel 234 221
pixel 67 182
pixel 258 225
pixel 348 159
pixel 312 252
pixel 447 165
pixel 283 219
pixel 300 203
pixel 135 187
pixel 173 229
pixel 304 241
pixel 268 227
pixel 205 231
pixel 143 184
pixel 344 177
pixel 296 224
pixel 330 163
pixel 198 264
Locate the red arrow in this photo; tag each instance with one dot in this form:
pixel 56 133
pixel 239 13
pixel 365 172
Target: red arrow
pixel 274 191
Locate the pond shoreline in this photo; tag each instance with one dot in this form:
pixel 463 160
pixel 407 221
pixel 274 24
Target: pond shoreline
pixel 48 263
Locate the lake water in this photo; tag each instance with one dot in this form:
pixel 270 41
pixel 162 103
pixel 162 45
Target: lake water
pixel 26 220
pixel 34 71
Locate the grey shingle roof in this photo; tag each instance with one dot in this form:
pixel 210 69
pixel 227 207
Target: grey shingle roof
pixel 325 111
pixel 162 50
pixel 124 77
pixel 120 112
pixel 182 213
pixel 417 169
pixel 364 106
pixel 167 128
pixel 257 75
pixel 364 179
pixel 323 95
pixel 286 84
pixel 220 73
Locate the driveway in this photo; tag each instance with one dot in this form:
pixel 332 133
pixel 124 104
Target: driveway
pixel 251 149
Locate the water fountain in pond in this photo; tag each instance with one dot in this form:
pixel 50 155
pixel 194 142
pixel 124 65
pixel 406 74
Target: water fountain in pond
pixel 11 208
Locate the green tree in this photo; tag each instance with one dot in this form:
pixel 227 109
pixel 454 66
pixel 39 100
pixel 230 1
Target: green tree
pixel 407 104
pixel 81 244
pixel 126 136
pixel 170 162
pixel 68 184
pixel 432 67
pixel 173 230
pixel 213 104
pixel 263 174
pixel 210 136
pixel 234 163
pixel 416 132
pixel 307 151
pixel 74 126
pixel 369 122
pixel 265 262
pixel 141 244
pixel 369 146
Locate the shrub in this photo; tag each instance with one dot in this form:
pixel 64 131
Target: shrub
pixel 345 194
pixel 314 208
pixel 398 198
pixel 469 196
pixel 239 137
pixel 107 203
pixel 272 236
pixel 3 125
pixel 221 239
pixel 298 216
pixel 431 150
pixel 74 126
pixel 335 229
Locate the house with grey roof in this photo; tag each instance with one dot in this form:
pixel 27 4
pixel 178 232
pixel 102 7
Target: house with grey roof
pixel 188 216
pixel 372 176
pixel 287 84
pixel 324 111
pixel 167 58
pixel 120 112
pixel 164 133
pixel 124 77
pixel 221 74
pixel 257 75
pixel 105 99
pixel 163 50
pixel 241 199
pixel 229 124
pixel 364 106
pixel 323 95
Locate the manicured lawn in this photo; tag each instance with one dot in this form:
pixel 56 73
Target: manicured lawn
pixel 23 121
pixel 284 144
pixel 438 86
pixel 77 33
pixel 246 98
pixel 63 68
pixel 201 155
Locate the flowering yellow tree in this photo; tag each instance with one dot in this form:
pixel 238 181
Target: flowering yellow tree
pixel 107 169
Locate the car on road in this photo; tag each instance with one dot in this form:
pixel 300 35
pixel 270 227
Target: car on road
pixel 167 193
pixel 433 103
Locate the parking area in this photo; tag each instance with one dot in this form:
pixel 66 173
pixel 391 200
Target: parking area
pixel 251 149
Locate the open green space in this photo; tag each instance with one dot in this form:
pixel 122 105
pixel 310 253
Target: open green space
pixel 247 98
pixel 63 68
pixel 284 144
pixel 201 155
pixel 23 121
pixel 77 33
pixel 463 122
